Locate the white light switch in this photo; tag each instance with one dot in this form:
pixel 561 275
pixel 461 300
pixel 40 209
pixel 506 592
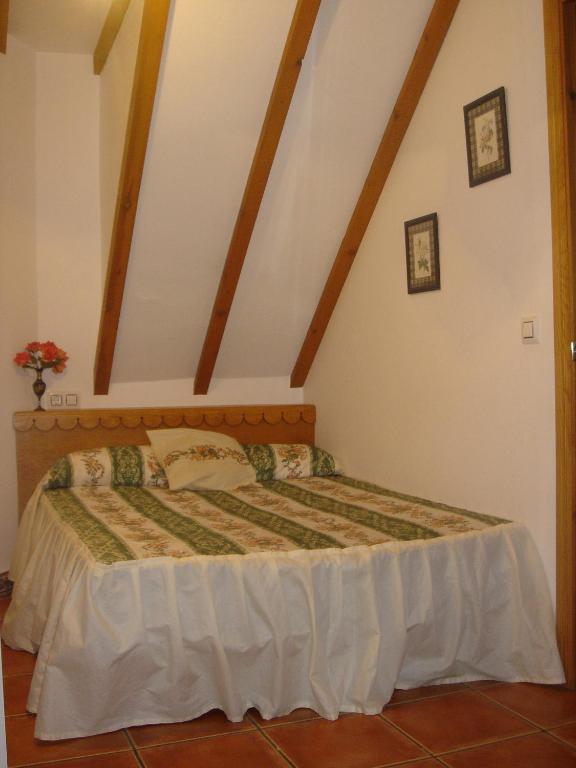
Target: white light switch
pixel 62 399
pixel 529 330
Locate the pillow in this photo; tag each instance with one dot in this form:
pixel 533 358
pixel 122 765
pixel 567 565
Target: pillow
pixel 117 465
pixel 198 459
pixel 285 461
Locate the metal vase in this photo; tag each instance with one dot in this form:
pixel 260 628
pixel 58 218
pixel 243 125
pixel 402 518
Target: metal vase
pixel 39 388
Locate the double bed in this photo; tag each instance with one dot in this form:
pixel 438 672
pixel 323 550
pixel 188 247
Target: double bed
pixel 149 605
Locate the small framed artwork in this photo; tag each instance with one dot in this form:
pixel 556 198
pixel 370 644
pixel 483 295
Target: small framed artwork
pixel 422 253
pixel 487 138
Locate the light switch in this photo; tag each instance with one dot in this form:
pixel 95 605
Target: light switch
pixel 529 330
pixel 71 400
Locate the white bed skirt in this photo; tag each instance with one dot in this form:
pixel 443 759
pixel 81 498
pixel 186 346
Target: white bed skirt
pixel 165 640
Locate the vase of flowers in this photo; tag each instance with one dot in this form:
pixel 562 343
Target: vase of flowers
pixel 38 356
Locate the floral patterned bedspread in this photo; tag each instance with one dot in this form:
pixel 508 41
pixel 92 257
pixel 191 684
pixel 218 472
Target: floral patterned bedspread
pixel 130 523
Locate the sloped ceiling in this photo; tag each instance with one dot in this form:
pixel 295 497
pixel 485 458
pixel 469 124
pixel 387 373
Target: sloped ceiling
pixel 219 66
pixel 63 26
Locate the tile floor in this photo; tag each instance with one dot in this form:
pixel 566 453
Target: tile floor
pixel 480 725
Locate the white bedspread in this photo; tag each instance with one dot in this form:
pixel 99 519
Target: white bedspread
pixel 164 640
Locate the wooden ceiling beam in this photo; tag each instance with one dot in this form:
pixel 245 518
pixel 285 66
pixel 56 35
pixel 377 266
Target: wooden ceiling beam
pixel 149 56
pixel 4 12
pixel 278 106
pixel 426 53
pixel 109 32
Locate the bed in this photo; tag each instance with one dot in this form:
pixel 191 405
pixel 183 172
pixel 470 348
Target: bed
pixel 150 605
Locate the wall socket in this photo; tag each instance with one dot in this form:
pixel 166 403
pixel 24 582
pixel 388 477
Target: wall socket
pixel 55 400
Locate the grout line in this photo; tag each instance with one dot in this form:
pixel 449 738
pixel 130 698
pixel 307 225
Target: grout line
pixel 51 759
pixel 273 744
pixel 560 738
pixel 412 761
pixel 64 760
pixel 205 737
pixel 428 751
pixel 426 697
pixel 487 743
pixel 514 712
pixel 281 725
pixel 17 674
pixel 137 755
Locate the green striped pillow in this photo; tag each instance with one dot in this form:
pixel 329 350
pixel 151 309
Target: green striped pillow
pixel 134 465
pixel 289 461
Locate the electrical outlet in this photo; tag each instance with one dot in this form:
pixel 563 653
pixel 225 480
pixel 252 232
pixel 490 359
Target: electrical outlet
pixel 62 400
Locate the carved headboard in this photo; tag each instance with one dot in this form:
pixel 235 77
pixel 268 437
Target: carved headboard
pixel 44 436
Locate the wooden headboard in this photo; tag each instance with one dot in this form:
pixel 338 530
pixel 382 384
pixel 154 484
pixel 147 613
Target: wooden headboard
pixel 44 436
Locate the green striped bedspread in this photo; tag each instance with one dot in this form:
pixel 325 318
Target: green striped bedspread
pixel 131 523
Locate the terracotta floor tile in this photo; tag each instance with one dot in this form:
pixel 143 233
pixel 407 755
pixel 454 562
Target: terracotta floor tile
pixel 566 732
pixel 116 760
pixel 424 692
pixel 17 662
pixel 293 717
pixel 210 724
pixel 547 705
pixel 236 750
pixel 16 694
pixel 536 751
pixel 4 603
pixel 455 721
pixel 356 741
pixel 484 684
pixel 429 763
pixel 24 749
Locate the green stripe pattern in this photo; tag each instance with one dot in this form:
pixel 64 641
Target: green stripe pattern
pixel 402 530
pixel 103 544
pixel 201 540
pixel 371 488
pixel 304 538
pixel 263 459
pixel 322 462
pixel 60 474
pixel 127 465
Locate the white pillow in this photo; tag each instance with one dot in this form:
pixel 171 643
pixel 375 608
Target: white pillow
pixel 195 458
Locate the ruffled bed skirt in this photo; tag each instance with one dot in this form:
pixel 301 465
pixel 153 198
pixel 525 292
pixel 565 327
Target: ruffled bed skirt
pixel 165 640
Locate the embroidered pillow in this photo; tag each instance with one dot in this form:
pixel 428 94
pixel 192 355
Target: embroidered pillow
pixel 198 459
pixel 134 465
pixel 279 461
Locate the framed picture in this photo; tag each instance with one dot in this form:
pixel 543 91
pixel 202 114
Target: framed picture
pixel 422 254
pixel 487 138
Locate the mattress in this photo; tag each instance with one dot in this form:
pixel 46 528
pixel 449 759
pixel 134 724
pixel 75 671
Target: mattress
pixel 147 605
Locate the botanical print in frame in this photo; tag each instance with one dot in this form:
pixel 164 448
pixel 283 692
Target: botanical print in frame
pixel 487 138
pixel 422 253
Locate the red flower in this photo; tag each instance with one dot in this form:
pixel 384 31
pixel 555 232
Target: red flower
pixel 40 355
pixel 49 351
pixel 22 359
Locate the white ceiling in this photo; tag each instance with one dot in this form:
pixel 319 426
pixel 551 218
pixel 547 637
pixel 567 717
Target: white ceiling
pixel 215 83
pixel 63 26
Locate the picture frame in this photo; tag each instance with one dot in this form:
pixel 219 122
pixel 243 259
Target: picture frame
pixel 422 253
pixel 487 144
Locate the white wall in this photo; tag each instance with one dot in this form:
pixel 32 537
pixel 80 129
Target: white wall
pixel 17 262
pixel 434 394
pixel 68 211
